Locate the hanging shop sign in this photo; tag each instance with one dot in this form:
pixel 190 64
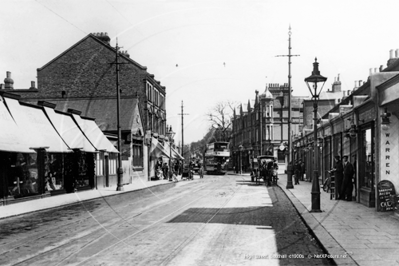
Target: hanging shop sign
pixel 385 196
pixel 367 115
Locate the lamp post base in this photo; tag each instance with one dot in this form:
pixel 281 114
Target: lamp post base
pixel 315 202
pixel 315 193
pixel 120 174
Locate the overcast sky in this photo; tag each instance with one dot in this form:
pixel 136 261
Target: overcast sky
pixel 205 52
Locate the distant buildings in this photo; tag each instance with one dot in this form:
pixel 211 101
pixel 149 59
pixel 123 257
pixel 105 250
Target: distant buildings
pixel 263 128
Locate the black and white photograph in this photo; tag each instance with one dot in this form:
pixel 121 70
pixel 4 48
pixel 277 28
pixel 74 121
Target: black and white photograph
pixel 199 132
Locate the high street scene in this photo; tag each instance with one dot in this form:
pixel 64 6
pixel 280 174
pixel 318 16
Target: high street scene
pixel 199 133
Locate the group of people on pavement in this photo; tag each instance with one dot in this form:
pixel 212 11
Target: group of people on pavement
pixel 162 170
pixel 344 173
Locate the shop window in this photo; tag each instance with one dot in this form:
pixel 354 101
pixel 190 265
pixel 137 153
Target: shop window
pixel 23 180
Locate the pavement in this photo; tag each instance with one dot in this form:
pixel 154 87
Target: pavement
pixel 354 233
pixel 73 198
pixel 349 231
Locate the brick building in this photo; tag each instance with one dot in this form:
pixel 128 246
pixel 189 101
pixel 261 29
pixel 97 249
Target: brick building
pixel 84 77
pixel 272 107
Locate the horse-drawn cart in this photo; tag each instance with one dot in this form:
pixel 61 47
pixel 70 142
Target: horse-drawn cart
pixel 264 167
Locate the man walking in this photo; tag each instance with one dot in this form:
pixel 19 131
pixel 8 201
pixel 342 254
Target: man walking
pixel 338 173
pixel 347 184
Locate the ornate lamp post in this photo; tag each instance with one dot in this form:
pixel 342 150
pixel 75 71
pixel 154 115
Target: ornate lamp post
pixel 312 81
pixel 170 134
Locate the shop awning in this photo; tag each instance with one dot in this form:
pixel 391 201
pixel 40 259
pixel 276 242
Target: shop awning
pixel 39 131
pixel 69 130
pixel 157 149
pixel 12 138
pixel 94 134
pixel 176 155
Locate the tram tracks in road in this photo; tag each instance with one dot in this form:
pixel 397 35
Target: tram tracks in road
pixel 93 234
pixel 192 236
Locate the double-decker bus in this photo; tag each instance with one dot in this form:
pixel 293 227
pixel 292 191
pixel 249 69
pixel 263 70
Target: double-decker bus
pixel 216 158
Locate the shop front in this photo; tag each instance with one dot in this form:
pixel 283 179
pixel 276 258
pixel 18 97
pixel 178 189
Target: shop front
pixel 43 152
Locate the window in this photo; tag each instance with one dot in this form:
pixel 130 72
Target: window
pixel 149 92
pixel 112 164
pixel 156 97
pixel 162 101
pixel 100 164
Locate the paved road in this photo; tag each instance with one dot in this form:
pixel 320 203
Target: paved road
pixel 218 220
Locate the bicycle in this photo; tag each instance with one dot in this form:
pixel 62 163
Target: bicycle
pixel 326 185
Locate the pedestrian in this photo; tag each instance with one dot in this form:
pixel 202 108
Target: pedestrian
pixel 201 171
pixel 297 171
pixel 176 166
pixel 303 174
pixel 165 169
pixel 302 166
pixel 269 172
pixel 347 183
pixel 339 174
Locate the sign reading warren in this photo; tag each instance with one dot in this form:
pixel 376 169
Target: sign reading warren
pixel 385 196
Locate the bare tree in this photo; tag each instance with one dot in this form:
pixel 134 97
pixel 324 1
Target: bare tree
pixel 220 118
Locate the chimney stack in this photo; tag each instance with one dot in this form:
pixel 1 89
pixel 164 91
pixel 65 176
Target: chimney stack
pixel 8 82
pixel 103 36
pixel 32 85
pixel 392 57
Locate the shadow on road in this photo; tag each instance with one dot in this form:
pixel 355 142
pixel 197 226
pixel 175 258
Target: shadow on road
pixel 291 234
pixel 237 216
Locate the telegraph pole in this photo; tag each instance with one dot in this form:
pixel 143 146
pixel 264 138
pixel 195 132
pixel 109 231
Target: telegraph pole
pixel 290 162
pixel 182 129
pixel 119 170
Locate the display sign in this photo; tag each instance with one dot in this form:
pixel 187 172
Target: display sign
pixel 385 196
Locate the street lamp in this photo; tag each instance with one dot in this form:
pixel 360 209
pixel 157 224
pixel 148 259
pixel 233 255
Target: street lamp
pixel 312 81
pixel 170 135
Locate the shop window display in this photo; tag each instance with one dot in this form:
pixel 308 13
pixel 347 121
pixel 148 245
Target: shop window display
pixel 53 172
pixel 23 178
